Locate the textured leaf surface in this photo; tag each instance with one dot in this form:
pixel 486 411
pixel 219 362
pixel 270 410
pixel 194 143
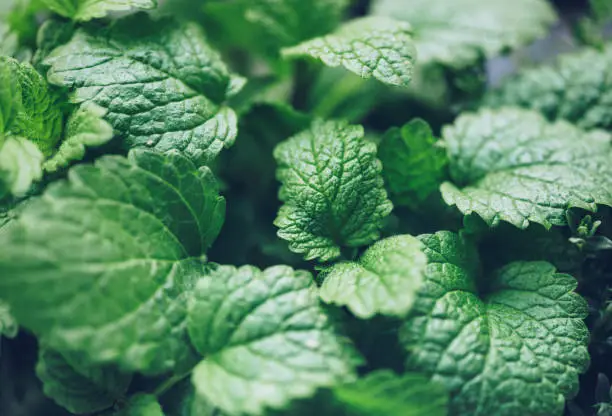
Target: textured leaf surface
pixel 29 109
pixel 385 393
pixel 84 128
pixel 332 189
pixel 456 32
pixel 384 280
pixel 512 165
pixel 577 88
pixel 162 85
pixel 513 347
pixel 265 338
pixel 20 165
pixel 376 47
pixel 83 10
pixel 109 258
pixel 413 165
pixel 79 387
pixel 142 405
pixel 8 324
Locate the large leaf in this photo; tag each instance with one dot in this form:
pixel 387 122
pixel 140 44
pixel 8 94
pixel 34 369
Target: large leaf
pixel 265 338
pixel 78 386
pixel 103 263
pixel 142 405
pixel 512 343
pixel 384 280
pixel 332 189
pixel 162 85
pixel 578 88
pixel 512 165
pixel 83 10
pixel 376 47
pixel 414 165
pixel 456 32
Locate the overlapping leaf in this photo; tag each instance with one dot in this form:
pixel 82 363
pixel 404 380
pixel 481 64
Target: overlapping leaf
pixel 109 258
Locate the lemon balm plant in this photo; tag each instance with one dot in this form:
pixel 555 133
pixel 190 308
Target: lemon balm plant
pixel 259 207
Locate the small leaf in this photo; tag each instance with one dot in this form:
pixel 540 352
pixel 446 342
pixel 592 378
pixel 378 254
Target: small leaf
pixel 512 165
pixel 142 405
pixel 126 247
pixel 8 324
pixel 370 47
pixel 385 393
pixel 29 108
pixel 85 128
pixel 20 166
pixel 414 166
pixel 332 189
pixel 265 338
pixel 164 87
pixel 384 280
pixel 84 10
pixel 77 386
pixel 512 345
pixel 457 32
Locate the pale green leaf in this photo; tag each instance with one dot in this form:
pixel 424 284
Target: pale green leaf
pixel 142 405
pixel 512 165
pixel 162 85
pixel 113 280
pixel 376 47
pixel 414 165
pixel 577 88
pixel 35 111
pixel 20 165
pixel 384 280
pixel 77 386
pixel 9 43
pixel 265 338
pixel 385 393
pixel 513 346
pixel 8 324
pixel 456 32
pixel 332 189
pixel 84 128
pixel 84 10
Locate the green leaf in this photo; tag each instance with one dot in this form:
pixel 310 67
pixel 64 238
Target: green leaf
pixel 385 393
pixel 514 345
pixel 84 128
pixel 266 26
pixel 162 85
pixel 84 10
pixel 142 405
pixel 9 43
pixel 414 165
pixel 576 88
pixel 376 47
pixel 332 189
pixel 512 165
pixel 8 325
pixel 265 338
pixel 384 280
pixel 77 386
pixel 20 166
pixel 456 32
pixel 602 9
pixel 35 113
pixel 103 263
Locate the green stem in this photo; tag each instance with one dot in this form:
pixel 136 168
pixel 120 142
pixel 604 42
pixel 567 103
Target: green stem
pixel 169 383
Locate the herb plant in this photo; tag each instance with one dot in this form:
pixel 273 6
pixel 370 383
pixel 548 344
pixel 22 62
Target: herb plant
pixel 297 207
